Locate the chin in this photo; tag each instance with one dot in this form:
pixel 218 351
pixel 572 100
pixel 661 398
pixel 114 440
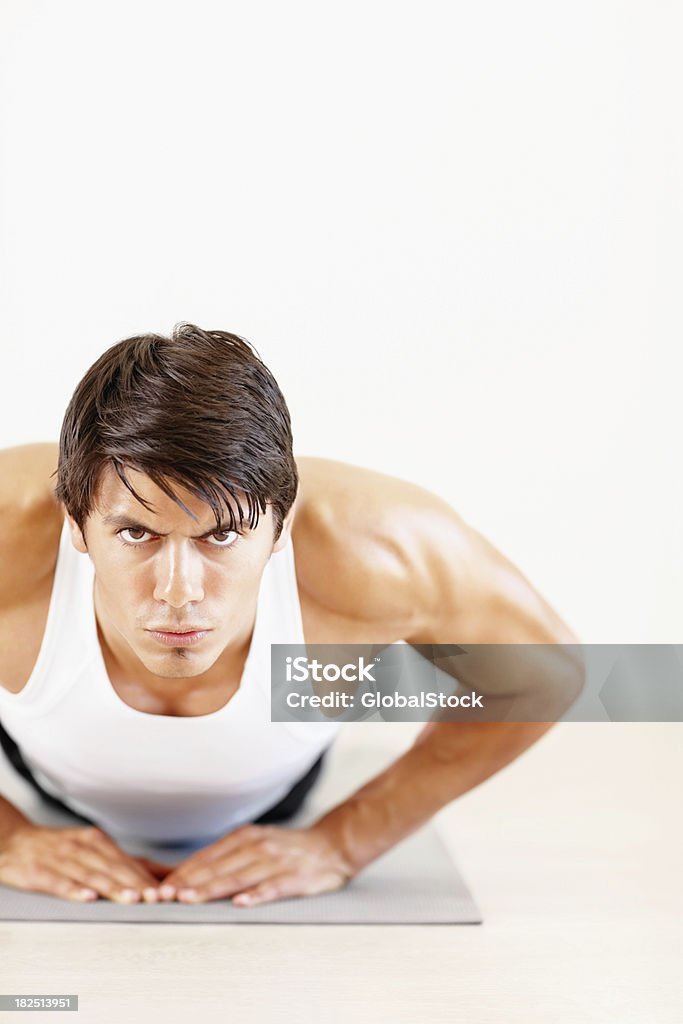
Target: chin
pixel 180 661
pixel 171 667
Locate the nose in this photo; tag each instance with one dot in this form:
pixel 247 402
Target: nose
pixel 178 574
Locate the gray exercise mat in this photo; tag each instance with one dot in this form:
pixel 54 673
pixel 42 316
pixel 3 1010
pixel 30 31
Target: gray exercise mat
pixel 416 882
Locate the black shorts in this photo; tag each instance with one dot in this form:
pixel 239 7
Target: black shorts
pixel 280 811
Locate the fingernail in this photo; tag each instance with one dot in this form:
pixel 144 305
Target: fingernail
pixel 150 895
pixel 128 896
pixel 86 894
pixel 187 894
pixel 167 892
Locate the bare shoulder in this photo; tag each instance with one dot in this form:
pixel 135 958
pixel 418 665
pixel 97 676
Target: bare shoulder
pixel 381 549
pixel 25 473
pixel 31 517
pixel 365 541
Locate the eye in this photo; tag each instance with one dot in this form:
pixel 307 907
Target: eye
pixel 133 529
pixel 229 537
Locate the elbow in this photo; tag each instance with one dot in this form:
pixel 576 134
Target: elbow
pixel 570 677
pixel 558 685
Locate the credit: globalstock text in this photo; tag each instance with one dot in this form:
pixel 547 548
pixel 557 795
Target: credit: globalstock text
pixel 385 700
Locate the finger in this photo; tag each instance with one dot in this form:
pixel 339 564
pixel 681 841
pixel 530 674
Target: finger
pixel 43 879
pixel 225 885
pixel 96 838
pixel 283 886
pixel 126 867
pixel 238 842
pixel 291 883
pixel 103 882
pixel 174 874
pixel 122 883
pixel 193 876
pixel 109 865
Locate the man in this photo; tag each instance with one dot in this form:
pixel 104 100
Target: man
pixel 138 601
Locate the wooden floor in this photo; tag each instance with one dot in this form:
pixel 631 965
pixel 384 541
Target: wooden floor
pixel 574 854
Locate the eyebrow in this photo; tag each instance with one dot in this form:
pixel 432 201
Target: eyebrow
pixel 127 523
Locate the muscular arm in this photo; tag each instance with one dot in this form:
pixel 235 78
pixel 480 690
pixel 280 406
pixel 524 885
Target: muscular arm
pixel 464 591
pixel 31 520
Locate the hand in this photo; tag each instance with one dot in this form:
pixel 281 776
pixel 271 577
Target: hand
pixel 77 864
pixel 259 864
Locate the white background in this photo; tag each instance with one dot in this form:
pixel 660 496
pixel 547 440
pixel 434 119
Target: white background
pixel 451 230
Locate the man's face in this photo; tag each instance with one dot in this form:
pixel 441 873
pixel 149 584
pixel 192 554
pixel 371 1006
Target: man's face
pixel 163 571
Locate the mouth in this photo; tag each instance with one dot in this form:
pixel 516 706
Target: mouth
pixel 180 639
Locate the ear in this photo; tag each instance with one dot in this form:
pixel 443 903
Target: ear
pixel 77 538
pixel 286 527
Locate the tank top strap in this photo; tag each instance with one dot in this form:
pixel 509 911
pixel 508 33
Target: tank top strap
pixel 66 645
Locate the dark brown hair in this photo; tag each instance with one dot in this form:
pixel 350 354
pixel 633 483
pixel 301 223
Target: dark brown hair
pixel 199 408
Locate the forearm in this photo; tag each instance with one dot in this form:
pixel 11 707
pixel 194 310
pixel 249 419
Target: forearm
pixel 10 819
pixel 446 760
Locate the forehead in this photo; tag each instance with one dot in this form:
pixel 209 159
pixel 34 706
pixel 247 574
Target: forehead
pixel 113 497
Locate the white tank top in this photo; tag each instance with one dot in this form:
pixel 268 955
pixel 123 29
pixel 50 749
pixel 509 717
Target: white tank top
pixel 158 777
